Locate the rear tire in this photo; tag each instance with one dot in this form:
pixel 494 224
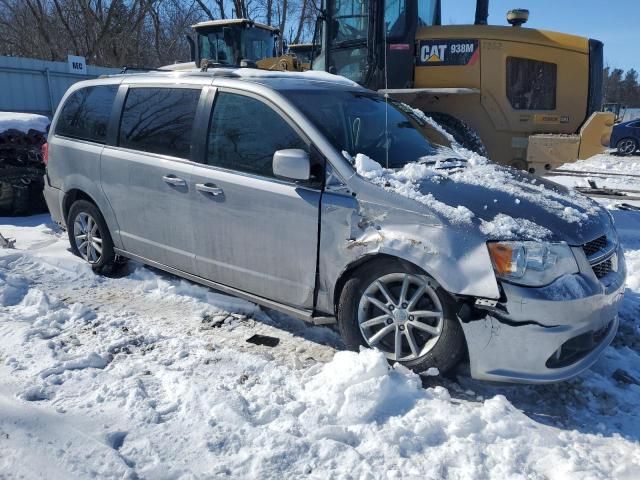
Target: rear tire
pixel 90 238
pixel 627 146
pixel 463 134
pixel 437 341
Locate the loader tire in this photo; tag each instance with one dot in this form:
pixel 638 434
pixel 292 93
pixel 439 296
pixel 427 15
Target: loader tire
pixel 462 133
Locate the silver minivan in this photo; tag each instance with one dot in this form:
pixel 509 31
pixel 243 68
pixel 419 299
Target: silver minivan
pixel 310 195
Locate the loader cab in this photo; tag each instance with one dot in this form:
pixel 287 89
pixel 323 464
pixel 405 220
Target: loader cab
pixel 305 52
pixel 616 108
pixel 366 38
pixel 232 42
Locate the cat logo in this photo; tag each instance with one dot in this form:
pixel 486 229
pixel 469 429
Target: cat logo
pixel 434 54
pixel 448 52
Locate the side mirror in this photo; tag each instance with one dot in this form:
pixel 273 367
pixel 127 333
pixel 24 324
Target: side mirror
pixel 292 164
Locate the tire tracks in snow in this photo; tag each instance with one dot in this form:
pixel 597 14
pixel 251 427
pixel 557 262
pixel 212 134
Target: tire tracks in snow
pixel 185 313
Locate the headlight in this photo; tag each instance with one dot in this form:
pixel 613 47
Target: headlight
pixel 531 263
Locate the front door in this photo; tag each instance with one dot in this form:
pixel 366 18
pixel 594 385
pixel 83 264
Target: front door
pixel 252 231
pixel 147 176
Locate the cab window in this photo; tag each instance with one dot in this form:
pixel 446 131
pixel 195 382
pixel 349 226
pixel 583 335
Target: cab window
pixel 531 84
pixel 395 14
pixel 352 18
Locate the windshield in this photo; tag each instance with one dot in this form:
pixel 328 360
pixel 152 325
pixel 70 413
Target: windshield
pixel 257 44
pixel 354 122
pixel 214 48
pixel 352 21
pixel 303 54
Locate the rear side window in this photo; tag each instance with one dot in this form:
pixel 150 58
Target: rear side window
pixel 531 84
pixel 85 114
pixel 245 133
pixel 159 120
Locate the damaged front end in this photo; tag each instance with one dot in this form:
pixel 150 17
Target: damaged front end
pixel 546 331
pixel 358 228
pixel 546 334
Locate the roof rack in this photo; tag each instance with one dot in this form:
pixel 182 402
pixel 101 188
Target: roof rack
pixel 126 69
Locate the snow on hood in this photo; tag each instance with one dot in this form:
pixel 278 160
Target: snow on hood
pixel 23 122
pixel 464 187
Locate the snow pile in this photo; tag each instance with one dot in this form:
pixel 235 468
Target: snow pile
pixel 23 122
pixel 360 388
pixel 504 227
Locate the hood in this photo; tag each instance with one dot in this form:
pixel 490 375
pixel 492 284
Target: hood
pixel 504 203
pixel 512 204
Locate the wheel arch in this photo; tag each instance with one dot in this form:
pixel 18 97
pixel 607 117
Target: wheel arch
pixel 71 197
pixel 78 193
pixel 366 259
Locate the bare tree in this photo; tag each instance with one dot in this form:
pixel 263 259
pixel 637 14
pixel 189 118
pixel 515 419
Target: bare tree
pixel 145 33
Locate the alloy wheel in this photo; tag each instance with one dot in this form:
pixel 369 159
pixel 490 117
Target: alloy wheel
pixel 627 146
pixel 401 315
pixel 87 237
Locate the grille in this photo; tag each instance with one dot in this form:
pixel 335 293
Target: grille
pixel 602 268
pixel 577 348
pixel 595 246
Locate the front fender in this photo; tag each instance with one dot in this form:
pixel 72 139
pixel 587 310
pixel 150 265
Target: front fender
pixel 352 231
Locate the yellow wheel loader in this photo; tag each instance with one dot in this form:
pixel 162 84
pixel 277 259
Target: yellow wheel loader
pixel 304 52
pixel 237 42
pixel 531 98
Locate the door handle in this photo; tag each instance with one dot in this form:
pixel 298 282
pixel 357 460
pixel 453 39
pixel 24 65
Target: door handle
pixel 209 188
pixel 173 180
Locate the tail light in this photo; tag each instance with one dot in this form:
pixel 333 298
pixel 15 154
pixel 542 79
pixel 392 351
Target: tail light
pixel 45 153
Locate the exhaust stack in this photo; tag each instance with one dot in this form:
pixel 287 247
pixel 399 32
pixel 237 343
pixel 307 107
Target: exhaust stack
pixel 482 12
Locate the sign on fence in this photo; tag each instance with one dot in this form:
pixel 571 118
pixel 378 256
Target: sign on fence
pixel 77 64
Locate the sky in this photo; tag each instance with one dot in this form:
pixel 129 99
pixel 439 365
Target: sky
pixel 614 22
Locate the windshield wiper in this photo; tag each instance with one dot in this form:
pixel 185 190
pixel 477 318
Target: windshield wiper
pixel 350 43
pixel 447 163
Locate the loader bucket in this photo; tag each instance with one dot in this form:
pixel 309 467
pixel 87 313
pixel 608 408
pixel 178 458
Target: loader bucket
pixel 595 134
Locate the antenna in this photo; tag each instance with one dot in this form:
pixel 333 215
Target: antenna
pixel 386 98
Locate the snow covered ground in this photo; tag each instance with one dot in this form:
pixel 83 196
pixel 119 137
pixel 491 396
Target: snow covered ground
pixel 150 376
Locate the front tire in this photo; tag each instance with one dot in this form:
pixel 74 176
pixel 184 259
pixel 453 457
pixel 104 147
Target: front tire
pixel 627 146
pixel 462 133
pixel 90 238
pixel 405 314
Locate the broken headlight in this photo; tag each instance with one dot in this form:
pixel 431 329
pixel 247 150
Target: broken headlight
pixel 534 264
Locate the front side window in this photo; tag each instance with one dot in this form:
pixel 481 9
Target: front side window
pixel 85 114
pixel 159 120
pixel 362 122
pixel 531 84
pixel 244 133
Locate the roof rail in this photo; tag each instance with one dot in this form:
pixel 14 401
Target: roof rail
pixel 126 68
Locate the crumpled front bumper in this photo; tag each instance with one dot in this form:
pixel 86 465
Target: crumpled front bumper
pixel 549 334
